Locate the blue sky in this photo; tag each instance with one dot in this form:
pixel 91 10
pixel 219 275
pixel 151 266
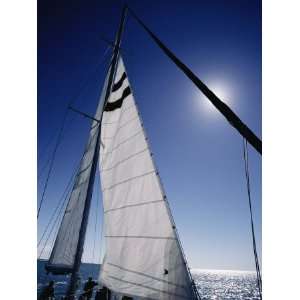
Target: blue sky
pixel 198 154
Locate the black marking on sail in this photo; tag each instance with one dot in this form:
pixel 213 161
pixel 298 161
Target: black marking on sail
pixel 119 83
pixel 110 106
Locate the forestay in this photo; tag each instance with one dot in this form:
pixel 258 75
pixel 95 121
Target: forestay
pixel 70 237
pixel 143 257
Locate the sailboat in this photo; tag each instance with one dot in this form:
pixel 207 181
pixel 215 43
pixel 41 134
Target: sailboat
pixel 144 258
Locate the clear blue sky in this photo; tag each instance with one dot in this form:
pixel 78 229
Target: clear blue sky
pixel 199 155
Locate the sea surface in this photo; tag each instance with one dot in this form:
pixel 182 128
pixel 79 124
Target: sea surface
pixel 212 284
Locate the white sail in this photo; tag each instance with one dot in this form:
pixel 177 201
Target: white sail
pixel 143 257
pixel 63 254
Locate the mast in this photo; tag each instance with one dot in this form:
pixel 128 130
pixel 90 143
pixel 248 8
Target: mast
pixel 74 277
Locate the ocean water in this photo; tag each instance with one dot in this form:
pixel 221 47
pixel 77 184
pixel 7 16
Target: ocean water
pixel 211 284
pixel 224 284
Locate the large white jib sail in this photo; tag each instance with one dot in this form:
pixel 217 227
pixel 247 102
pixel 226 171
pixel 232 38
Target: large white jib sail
pixel 143 255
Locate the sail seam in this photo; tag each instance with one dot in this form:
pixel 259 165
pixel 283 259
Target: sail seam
pixel 147 287
pixel 124 160
pixel 118 129
pixel 88 147
pixel 79 184
pixel 146 275
pixel 133 205
pixel 109 123
pixel 141 237
pixel 66 237
pixel 123 142
pixel 86 168
pixel 71 220
pixel 127 122
pixel 127 180
pixel 127 108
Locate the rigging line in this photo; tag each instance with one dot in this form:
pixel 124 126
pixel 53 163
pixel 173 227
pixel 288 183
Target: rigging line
pixel 252 225
pixel 40 173
pixel 60 217
pixel 102 60
pixel 60 203
pixel 250 208
pixel 66 192
pixel 46 164
pixel 96 221
pixel 59 138
pixel 56 223
pixel 71 221
pixel 222 107
pixel 52 160
pixel 68 195
pixel 102 226
pixel 43 151
pixel 44 167
pixel 83 85
pixel 53 225
pixel 101 240
pixel 247 174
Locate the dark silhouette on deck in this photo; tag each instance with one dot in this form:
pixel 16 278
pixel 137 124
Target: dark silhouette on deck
pixel 103 294
pixel 88 288
pixel 47 292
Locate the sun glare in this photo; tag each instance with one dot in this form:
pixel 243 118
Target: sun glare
pixel 221 90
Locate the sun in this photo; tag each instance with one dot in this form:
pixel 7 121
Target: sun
pixel 222 90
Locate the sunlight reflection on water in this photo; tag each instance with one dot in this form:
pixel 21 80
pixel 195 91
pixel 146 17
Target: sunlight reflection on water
pixel 229 285
pixel 212 284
